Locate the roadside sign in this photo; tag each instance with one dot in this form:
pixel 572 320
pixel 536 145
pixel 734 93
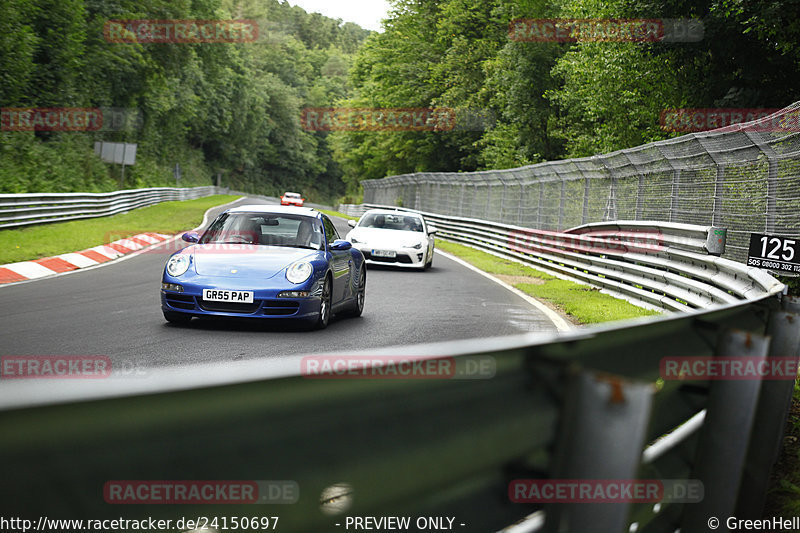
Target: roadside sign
pixel 773 252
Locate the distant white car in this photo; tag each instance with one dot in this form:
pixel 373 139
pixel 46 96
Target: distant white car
pixel 388 237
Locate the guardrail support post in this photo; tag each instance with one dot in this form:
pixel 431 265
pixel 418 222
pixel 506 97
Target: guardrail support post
pixel 724 437
pixel 602 436
pixel 773 407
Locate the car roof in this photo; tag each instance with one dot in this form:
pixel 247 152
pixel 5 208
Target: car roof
pixel 391 212
pixel 276 209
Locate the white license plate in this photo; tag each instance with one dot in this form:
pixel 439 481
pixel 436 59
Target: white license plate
pixel 219 295
pixel 384 253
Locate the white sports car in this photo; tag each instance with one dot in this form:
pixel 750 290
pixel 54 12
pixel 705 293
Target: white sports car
pixel 388 237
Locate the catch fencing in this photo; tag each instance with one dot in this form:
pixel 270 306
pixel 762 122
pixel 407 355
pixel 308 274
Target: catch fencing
pixel 744 177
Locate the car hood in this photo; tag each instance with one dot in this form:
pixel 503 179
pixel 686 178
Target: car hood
pixel 246 259
pixel 386 237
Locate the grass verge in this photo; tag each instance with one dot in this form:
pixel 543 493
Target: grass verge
pixel 35 242
pixel 582 303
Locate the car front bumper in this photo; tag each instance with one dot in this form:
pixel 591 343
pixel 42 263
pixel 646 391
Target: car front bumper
pixel 405 257
pixel 266 302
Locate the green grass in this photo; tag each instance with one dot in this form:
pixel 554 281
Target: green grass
pixel 52 239
pixel 587 305
pixel 491 263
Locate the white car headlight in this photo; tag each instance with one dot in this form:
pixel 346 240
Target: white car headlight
pixel 414 245
pixel 178 265
pixel 299 272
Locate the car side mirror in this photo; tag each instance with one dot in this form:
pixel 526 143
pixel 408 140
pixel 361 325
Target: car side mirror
pixel 191 236
pixel 340 244
pixel 351 223
pixel 432 230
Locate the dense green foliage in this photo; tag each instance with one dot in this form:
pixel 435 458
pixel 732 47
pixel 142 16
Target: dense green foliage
pixel 554 99
pixel 236 108
pixel 232 108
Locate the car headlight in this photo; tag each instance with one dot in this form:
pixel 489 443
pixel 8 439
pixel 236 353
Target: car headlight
pixel 414 245
pixel 178 264
pixel 299 272
pixel 353 240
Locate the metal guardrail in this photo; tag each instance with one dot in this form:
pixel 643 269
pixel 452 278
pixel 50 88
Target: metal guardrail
pixel 17 210
pixel 653 264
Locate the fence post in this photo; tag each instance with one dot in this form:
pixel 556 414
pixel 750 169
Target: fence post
pixel 716 211
pixel 585 215
pixel 675 187
pixel 772 179
pixel 539 208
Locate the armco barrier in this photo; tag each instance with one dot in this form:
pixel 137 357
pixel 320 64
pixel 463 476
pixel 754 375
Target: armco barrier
pixel 18 210
pixel 654 264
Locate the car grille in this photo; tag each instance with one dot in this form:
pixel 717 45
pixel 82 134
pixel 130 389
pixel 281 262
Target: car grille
pixel 229 307
pixel 180 301
pixel 280 307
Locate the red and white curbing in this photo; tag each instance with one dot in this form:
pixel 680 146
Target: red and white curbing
pixel 49 266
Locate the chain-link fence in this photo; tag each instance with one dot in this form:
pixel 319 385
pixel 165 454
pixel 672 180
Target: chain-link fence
pixel 744 177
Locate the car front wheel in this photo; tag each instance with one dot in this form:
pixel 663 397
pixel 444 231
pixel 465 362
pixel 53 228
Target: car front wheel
pixel 358 302
pixel 324 316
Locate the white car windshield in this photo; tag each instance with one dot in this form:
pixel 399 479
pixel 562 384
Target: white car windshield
pixel 391 221
pixel 270 229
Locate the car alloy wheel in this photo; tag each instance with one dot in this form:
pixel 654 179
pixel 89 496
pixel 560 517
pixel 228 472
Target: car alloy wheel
pixel 325 305
pixel 362 290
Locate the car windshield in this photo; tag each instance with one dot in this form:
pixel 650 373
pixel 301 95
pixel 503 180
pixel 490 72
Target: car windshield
pixel 391 221
pixel 292 195
pixel 268 229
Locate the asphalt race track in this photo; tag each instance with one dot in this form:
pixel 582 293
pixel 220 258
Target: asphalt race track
pixel 115 311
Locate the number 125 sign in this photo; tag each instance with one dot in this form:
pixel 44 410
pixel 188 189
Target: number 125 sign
pixel 781 254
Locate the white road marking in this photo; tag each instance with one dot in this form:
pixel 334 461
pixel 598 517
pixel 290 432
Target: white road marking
pixel 555 318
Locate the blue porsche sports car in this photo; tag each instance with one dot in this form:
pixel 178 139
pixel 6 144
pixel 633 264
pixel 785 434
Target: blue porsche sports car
pixel 265 261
